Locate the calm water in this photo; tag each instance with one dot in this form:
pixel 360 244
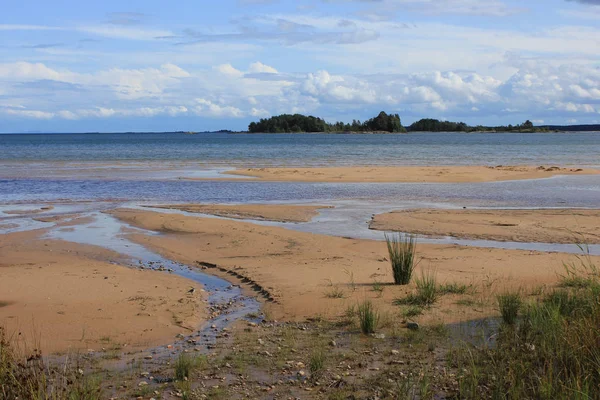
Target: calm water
pixel 295 150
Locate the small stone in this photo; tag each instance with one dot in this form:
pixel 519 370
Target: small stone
pixel 143 383
pixel 395 352
pixel 301 373
pixel 378 335
pixel 332 343
pixel 413 326
pixel 147 357
pixel 261 342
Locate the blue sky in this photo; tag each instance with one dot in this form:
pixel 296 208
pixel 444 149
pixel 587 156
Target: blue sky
pixel 68 66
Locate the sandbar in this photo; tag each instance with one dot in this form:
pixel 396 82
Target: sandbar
pixel 64 296
pixel 540 226
pixel 262 212
pixel 410 174
pixel 299 269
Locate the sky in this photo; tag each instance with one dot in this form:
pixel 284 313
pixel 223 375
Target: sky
pixel 80 66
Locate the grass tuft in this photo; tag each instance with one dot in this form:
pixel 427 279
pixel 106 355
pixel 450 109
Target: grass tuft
pixel 401 249
pixel 510 305
pixel 426 293
pixel 185 364
pixel 368 317
pixel 316 362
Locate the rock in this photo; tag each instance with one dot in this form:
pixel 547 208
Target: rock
pixel 301 373
pixel 261 342
pixel 378 335
pixel 147 357
pixel 143 383
pixel 395 352
pixel 333 343
pixel 413 326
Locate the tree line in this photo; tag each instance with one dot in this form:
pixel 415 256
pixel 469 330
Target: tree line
pixel 383 122
pixel 288 123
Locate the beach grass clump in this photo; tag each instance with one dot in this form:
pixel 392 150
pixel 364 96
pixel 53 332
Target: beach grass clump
pixel 426 292
pixel 186 364
pixel 335 293
pixel 548 349
pixel 368 317
pixel 402 251
pixel 316 362
pixel 509 304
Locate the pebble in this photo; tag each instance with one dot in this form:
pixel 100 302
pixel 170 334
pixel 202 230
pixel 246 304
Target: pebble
pixel 413 326
pixel 333 343
pixel 143 383
pixel 395 352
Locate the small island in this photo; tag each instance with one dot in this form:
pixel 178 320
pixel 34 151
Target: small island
pixel 382 123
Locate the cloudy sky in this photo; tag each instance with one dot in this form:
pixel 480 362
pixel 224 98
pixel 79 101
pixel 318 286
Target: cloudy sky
pixel 203 64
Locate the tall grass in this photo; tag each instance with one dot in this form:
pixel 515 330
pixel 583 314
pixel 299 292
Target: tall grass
pixel 551 351
pixel 402 250
pixel 510 304
pixel 368 317
pixel 26 376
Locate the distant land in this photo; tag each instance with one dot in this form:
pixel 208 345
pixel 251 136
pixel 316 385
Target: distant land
pixel 391 123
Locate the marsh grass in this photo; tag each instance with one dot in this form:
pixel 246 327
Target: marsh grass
pixel 510 304
pixel 402 250
pixel 368 317
pixel 549 352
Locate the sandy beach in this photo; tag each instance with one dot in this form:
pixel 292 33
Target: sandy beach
pixel 300 269
pixel 443 174
pixel 64 296
pixel 542 226
pixel 262 212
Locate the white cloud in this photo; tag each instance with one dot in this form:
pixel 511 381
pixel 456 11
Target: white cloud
pixel 259 67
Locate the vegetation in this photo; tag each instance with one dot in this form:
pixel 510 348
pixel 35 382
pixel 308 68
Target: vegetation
pixel 287 123
pixel 550 352
pixel 401 249
pixel 434 125
pixel 426 293
pixel 510 304
pixel 27 377
pixel 368 317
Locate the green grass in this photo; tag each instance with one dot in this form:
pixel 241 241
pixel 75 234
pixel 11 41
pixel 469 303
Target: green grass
pixel 185 364
pixel 26 376
pixel 426 292
pixel 412 311
pixel 510 304
pixel 401 249
pixel 368 317
pixel 455 288
pixel 547 350
pixel 316 362
pixel 335 293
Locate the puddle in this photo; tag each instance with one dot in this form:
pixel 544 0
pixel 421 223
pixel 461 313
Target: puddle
pixel 481 333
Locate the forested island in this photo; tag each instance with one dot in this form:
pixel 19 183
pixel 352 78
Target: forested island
pixel 296 123
pixel 383 122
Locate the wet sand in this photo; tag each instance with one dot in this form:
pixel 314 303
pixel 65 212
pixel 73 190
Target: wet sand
pixel 65 296
pixel 541 226
pixel 442 174
pixel 262 212
pixel 300 270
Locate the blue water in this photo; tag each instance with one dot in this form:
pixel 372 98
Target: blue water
pixel 309 150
